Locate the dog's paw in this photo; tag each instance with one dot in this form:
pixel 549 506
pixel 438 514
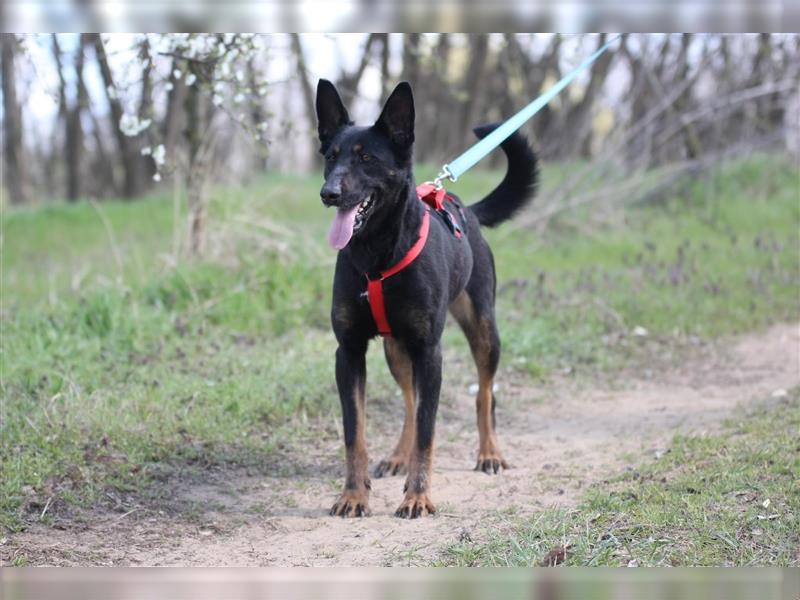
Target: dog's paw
pixel 415 505
pixel 394 465
pixel 490 462
pixel 352 503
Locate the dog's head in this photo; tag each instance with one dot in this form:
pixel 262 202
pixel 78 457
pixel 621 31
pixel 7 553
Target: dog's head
pixel 364 166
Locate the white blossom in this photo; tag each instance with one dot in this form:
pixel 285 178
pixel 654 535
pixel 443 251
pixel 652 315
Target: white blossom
pixel 147 151
pixel 238 98
pixel 197 45
pixel 168 86
pixel 112 92
pixel 217 100
pixel 177 74
pixel 157 177
pixel 159 154
pixel 130 125
pixel 191 78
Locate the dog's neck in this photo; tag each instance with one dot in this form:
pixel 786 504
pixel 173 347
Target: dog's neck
pixel 389 237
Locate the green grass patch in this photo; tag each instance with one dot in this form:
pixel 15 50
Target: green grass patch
pixel 726 499
pixel 118 355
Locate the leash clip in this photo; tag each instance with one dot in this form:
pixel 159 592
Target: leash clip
pixel 443 174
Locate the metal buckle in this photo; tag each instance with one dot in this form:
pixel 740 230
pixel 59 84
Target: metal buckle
pixel 443 174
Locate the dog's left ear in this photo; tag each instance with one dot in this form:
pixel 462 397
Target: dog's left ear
pixel 397 117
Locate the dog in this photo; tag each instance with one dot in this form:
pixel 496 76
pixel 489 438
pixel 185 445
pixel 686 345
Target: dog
pixel 379 218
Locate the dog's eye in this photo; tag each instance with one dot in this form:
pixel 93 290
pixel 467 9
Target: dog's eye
pixel 365 157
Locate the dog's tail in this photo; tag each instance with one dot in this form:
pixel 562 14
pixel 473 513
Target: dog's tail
pixel 518 186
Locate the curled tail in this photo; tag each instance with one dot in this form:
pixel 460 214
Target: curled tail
pixel 518 186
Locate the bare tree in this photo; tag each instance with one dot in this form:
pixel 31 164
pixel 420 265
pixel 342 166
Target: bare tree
pixel 436 134
pixel 200 140
pixel 472 87
pixel 174 118
pixel 74 141
pixel 16 173
pixel 577 137
pixel 411 53
pixel 308 93
pixel 348 82
pixel 131 160
pixel 386 80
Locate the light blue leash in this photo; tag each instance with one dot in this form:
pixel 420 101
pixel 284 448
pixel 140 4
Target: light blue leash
pixel 466 161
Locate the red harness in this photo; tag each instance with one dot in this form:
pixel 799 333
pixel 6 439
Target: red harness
pixel 434 197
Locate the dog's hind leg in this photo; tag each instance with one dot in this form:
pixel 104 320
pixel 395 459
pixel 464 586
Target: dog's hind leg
pixel 400 366
pixel 474 311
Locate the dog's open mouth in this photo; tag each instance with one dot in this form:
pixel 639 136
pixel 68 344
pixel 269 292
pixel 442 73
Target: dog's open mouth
pixel 362 213
pixel 348 221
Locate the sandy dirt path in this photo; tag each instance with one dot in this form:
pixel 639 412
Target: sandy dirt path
pixel 559 438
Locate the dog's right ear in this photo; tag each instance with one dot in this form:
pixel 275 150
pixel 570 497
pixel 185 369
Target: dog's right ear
pixel 331 113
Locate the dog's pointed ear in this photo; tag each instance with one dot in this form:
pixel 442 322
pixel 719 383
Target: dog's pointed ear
pixel 331 113
pixel 397 117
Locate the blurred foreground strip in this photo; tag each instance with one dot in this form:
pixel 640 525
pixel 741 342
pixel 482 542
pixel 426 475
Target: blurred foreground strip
pixel 458 584
pixel 393 15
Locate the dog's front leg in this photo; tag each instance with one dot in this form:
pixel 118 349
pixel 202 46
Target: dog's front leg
pixel 427 368
pixel 351 375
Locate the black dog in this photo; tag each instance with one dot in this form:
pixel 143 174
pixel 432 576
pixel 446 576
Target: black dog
pixel 368 179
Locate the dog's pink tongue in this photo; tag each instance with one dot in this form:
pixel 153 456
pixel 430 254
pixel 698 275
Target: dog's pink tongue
pixel 342 227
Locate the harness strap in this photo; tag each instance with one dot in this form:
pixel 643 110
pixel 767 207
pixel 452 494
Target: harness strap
pixel 375 285
pixel 435 196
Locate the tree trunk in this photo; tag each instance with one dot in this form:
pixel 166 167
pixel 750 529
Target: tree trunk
pixel 434 137
pixel 147 167
pixel 471 88
pixel 74 141
pixel 691 143
pixel 174 119
pixel 62 121
pixel 257 116
pixel 548 124
pixel 410 71
pixel 128 146
pixel 200 146
pixel 308 96
pixel 385 77
pixel 16 174
pixel 348 82
pixel 577 136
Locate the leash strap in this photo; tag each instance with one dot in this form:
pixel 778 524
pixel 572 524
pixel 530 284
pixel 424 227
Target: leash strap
pixel 467 160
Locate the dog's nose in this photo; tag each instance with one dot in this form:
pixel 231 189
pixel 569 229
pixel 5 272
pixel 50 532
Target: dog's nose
pixel 330 193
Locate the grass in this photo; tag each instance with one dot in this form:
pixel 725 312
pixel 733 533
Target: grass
pixel 729 499
pixel 119 359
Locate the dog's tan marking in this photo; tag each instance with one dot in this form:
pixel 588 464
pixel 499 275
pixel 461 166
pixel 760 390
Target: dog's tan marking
pixel 478 332
pixel 400 366
pixel 417 501
pixel 354 501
